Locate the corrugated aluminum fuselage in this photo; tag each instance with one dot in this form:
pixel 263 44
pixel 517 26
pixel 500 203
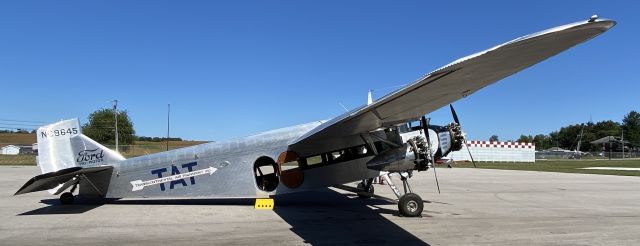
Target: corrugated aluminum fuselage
pixel 223 169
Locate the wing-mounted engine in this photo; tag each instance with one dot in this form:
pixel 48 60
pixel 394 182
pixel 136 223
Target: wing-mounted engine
pixel 450 138
pixel 443 140
pixel 408 147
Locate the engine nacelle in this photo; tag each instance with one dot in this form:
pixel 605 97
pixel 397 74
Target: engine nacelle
pixel 414 153
pixel 393 160
pixel 449 138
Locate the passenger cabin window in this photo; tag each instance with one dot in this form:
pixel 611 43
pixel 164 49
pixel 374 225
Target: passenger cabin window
pixel 338 156
pixel 314 160
pixel 290 164
pixel 361 151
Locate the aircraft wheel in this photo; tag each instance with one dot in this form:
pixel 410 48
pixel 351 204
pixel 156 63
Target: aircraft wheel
pixel 410 205
pixel 361 187
pixel 67 198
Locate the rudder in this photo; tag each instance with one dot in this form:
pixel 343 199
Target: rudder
pixel 62 145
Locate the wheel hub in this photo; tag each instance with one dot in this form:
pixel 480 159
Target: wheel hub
pixel 412 206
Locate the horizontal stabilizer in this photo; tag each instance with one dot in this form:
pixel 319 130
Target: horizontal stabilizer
pixel 54 179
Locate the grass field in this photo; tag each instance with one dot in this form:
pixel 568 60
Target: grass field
pixel 564 166
pixel 18 160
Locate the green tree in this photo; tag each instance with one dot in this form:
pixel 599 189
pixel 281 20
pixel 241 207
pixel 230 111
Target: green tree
pixel 101 127
pixel 494 138
pixel 568 136
pixel 606 128
pixel 525 139
pixel 553 138
pixel 631 126
pixel 542 142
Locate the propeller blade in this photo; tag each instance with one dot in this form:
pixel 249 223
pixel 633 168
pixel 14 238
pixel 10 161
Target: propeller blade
pixel 453 113
pixel 467 146
pixel 457 121
pixel 425 127
pixel 436 175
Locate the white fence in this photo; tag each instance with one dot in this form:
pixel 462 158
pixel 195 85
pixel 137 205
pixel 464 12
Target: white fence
pixel 496 152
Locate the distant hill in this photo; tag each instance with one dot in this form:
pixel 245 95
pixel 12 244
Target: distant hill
pixel 139 148
pixel 17 139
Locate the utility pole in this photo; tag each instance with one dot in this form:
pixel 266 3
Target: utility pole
pixel 610 148
pixel 115 111
pixel 168 113
pixel 580 143
pixel 622 142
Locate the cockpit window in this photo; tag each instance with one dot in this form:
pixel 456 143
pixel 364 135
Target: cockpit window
pixel 403 128
pixel 415 125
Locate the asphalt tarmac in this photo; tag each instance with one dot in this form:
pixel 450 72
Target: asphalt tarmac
pixel 476 207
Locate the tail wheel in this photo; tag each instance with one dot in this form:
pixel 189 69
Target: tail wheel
pixel 361 187
pixel 410 205
pixel 67 198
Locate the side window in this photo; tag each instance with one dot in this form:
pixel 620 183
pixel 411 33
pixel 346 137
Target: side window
pixel 415 125
pixel 288 160
pixel 291 164
pixel 338 156
pixel 361 151
pixel 404 128
pixel 314 160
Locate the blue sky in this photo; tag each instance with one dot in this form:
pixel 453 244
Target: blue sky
pixel 233 69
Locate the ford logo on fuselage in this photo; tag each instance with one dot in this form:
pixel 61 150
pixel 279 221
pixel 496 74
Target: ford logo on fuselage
pixel 90 156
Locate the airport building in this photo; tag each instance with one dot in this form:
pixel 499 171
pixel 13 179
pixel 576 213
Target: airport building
pixel 18 150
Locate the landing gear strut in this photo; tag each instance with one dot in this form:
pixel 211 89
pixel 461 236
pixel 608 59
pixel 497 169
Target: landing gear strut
pixel 409 203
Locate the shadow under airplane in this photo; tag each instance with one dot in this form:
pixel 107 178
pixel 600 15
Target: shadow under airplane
pixel 319 217
pixel 327 217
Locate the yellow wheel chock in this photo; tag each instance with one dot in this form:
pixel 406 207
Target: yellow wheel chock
pixel 264 203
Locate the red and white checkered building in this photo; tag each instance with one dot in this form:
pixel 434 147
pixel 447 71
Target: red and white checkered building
pixel 497 152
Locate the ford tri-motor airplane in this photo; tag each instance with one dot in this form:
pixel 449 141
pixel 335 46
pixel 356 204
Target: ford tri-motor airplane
pixel 390 135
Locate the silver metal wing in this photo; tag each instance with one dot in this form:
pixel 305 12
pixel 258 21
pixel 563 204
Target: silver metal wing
pixel 454 81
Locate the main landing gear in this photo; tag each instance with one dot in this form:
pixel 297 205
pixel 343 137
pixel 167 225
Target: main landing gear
pixel 409 203
pixel 366 187
pixel 68 197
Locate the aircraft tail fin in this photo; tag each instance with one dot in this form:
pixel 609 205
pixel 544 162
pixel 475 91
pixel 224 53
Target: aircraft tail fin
pixel 62 145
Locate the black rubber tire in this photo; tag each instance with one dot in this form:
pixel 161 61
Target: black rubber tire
pixel 361 187
pixel 67 198
pixel 410 205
